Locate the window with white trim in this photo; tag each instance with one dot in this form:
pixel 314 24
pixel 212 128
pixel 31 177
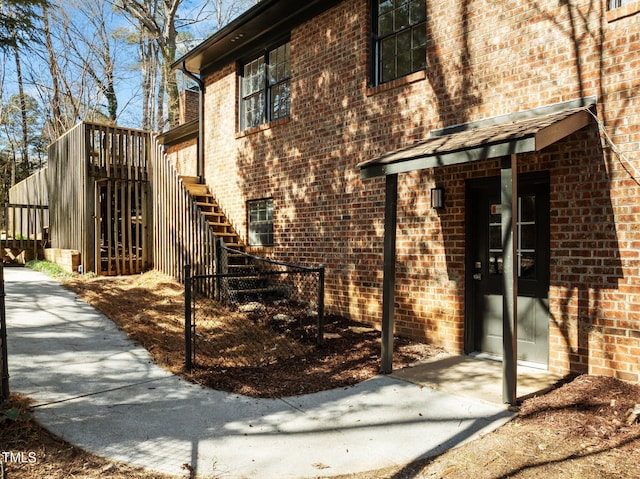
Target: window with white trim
pixel 260 222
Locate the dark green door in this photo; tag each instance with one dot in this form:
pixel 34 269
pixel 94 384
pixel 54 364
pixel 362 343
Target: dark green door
pixel 484 318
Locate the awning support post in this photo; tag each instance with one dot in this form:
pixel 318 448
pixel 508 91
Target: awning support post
pixel 389 272
pixel 509 209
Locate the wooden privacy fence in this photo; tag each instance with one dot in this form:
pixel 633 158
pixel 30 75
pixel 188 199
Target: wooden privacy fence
pixel 31 191
pixel 98 182
pixel 181 234
pixel 23 232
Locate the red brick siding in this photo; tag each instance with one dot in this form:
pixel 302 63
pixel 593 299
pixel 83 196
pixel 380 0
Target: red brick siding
pixel 494 62
pixel 189 101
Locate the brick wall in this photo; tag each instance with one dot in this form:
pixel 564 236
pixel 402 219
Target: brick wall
pixel 184 157
pixel 189 102
pixel 483 60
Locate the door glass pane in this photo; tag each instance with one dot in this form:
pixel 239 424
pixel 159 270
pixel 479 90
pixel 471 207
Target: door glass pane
pixel 495 262
pixel 528 237
pixel 495 237
pixel 526 231
pixel 527 265
pixel 527 208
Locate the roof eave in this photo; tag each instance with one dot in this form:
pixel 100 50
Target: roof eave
pixel 179 134
pixel 484 152
pixel 266 18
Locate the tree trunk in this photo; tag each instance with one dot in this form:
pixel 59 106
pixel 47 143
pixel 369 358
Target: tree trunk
pixel 57 121
pixel 24 147
pixel 158 18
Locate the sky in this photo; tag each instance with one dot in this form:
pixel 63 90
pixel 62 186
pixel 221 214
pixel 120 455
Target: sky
pixel 128 86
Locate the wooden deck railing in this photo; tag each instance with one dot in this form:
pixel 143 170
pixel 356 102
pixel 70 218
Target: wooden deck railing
pixel 119 153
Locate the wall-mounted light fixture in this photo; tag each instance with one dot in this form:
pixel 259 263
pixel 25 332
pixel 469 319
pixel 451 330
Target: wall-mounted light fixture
pixel 437 198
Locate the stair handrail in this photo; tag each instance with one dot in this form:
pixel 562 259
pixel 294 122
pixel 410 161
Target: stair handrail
pixel 269 260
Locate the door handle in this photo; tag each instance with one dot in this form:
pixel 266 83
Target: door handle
pixel 477 276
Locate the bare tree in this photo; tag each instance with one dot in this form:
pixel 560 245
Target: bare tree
pixel 158 19
pixel 91 43
pixel 149 66
pixel 225 10
pixel 78 79
pixel 16 17
pixel 24 146
pixel 17 21
pixel 58 125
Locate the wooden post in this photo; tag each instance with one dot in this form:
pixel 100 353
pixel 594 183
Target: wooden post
pixel 321 305
pixel 509 208
pixel 188 352
pixel 97 263
pixel 389 273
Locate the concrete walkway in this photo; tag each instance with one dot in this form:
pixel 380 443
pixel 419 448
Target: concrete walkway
pixel 98 390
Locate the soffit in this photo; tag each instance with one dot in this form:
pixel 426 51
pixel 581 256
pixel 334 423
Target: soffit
pixel 265 21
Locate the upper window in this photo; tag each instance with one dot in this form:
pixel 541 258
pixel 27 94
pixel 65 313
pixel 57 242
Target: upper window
pixel 265 88
pixel 400 37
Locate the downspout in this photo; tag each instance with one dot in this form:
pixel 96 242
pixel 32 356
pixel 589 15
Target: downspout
pixel 200 146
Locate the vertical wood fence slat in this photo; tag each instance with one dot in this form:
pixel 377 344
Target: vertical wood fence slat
pixel 183 234
pixel 97 260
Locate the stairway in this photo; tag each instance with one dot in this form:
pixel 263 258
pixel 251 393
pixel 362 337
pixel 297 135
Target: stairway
pixel 208 206
pixel 250 285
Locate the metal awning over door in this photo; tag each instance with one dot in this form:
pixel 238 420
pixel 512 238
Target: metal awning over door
pixel 527 132
pixel 501 137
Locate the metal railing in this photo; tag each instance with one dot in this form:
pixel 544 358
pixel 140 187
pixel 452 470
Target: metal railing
pixel 4 368
pixel 246 292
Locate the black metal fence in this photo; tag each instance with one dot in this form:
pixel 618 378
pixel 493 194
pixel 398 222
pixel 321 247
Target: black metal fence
pixel 251 296
pixel 4 367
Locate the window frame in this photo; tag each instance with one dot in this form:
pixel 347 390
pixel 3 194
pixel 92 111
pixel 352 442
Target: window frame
pixel 613 4
pixel 619 9
pixel 253 225
pixel 270 78
pixel 377 40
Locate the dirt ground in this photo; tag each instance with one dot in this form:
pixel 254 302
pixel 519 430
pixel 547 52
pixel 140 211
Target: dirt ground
pixel 586 428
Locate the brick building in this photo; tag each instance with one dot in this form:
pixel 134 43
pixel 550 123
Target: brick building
pixel 316 112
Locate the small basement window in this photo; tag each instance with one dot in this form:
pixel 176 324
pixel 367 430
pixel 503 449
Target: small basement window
pixel 260 222
pixel 619 3
pixel 617 9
